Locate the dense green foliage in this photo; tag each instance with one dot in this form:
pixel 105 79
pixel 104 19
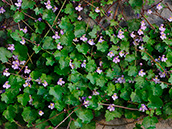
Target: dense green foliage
pixel 59 70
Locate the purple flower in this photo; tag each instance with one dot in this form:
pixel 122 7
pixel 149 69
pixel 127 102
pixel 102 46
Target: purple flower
pixel 51 106
pixel 99 71
pixel 121 53
pixel 91 42
pixel 132 35
pixel 27 70
pixel 48 5
pixel 75 40
pixel 27 84
pixel 149 11
pixel 22 62
pixel 95 92
pixel 11 47
pixel 161 28
pixel 38 80
pixel 143 108
pixel 143 27
pixel 109 13
pixel 45 83
pixel 110 54
pixel 163 36
pixel 121 79
pixel 61 32
pixel 101 40
pixel 6 73
pixel 6 85
pixel 86 103
pixel 41 113
pixel 56 36
pixel 141 73
pixel 142 23
pixel 170 19
pixel 19 3
pixel 83 38
pixel 24 30
pixel 159 7
pixel 140 32
pixel 40 19
pixel 30 99
pixel 15 65
pixel 114 96
pixel 29 78
pixel 83 65
pixel 59 47
pixel 163 59
pixel 2 10
pixel 79 8
pixel 97 10
pixel 156 80
pixel 162 74
pixel 79 18
pixel 141 47
pixel 100 63
pixel 54 9
pixel 111 107
pixel 23 41
pixel 120 34
pixel 60 82
pixel 71 65
pixel 116 59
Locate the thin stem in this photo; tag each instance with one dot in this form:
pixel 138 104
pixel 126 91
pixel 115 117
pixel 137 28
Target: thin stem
pixel 148 22
pixel 27 25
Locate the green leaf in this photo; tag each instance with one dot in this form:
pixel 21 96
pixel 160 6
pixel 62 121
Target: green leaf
pixel 91 65
pixel 40 26
pixel 56 120
pixel 94 31
pixel 93 15
pixel 48 43
pixel 56 92
pixel 150 122
pixel 29 115
pixel 91 125
pixel 50 61
pixel 4 54
pixel 21 51
pixel 41 90
pixel 18 16
pixel 135 98
pixel 133 25
pixel 92 77
pixel 168 42
pixel 23 98
pixel 59 105
pixel 69 9
pixel 66 25
pixel 132 71
pixel 9 113
pixel 79 29
pixel 11 125
pixel 101 81
pixel 167 108
pixel 110 89
pixel 27 4
pixel 85 115
pixel 49 16
pixel 76 124
pixel 83 48
pixel 43 125
pixel 125 46
pixel 140 83
pixel 37 48
pixel 17 35
pixel 67 38
pixel 64 62
pixel 102 46
pixel 111 115
pixel 38 11
pixel 154 102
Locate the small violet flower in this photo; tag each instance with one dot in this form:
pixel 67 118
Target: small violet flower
pixel 141 73
pixel 163 36
pixel 120 34
pixel 140 32
pixel 24 30
pixel 75 40
pixel 59 47
pixel 83 38
pixel 161 28
pixel 111 107
pixel 132 35
pixel 114 96
pixel 97 10
pixel 163 59
pixel 48 5
pixel 99 71
pixel 79 8
pixel 61 32
pixel 156 80
pixel 101 39
pixel 27 84
pixel 116 59
pixel 110 54
pixel 162 74
pixel 121 79
pixel 54 9
pixel 71 65
pixel 2 10
pixel 149 11
pixel 121 53
pixel 170 19
pixel 83 65
pixel 91 42
pixel 27 70
pixel 6 85
pixel 19 3
pixel 159 7
pixel 56 36
pixel 6 73
pixel 95 92
pixel 41 113
pixel 45 83
pixel 79 18
pixel 143 108
pixel 51 106
pixel 86 103
pixel 11 47
pixel 60 82
pixel 23 41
